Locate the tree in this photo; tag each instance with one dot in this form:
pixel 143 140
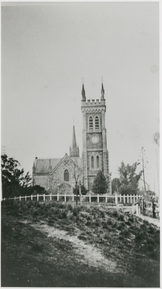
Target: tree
pixel 128 178
pixel 13 180
pixel 100 185
pixel 115 185
pixel 76 170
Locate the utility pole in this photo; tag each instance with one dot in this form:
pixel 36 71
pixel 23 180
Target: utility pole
pixel 143 169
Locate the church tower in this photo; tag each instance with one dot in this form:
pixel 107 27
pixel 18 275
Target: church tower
pixel 95 153
pixel 74 149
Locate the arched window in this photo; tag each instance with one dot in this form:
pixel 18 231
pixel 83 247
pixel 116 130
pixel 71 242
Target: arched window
pixel 97 162
pixel 96 122
pixel 91 122
pixel 92 162
pixel 66 175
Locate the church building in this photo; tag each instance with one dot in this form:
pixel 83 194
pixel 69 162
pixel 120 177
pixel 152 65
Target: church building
pixel 57 174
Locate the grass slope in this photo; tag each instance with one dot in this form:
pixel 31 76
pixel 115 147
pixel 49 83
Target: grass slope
pixel 30 258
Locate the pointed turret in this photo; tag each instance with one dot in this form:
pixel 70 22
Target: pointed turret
pixel 83 92
pixel 102 91
pixel 74 150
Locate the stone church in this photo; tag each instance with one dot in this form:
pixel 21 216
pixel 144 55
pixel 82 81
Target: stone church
pixel 60 175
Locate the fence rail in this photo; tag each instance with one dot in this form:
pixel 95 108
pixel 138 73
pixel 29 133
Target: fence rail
pixel 125 199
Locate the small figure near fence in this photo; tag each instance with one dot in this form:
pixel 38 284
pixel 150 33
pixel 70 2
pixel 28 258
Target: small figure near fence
pixel 153 208
pixel 144 207
pixel 76 192
pixel 80 193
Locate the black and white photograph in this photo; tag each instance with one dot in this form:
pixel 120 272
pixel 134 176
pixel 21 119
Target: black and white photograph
pixel 80 144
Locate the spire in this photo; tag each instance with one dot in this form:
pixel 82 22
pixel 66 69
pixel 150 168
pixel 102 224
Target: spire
pixel 83 91
pixel 74 149
pixel 102 91
pixel 74 138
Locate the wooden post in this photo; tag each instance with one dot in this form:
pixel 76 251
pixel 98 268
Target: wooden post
pixel 44 197
pixel 98 198
pixel 137 210
pixel 116 199
pixel 57 196
pixel 31 197
pixel 72 197
pixel 25 198
pixel 37 197
pixel 106 198
pixel 50 197
pixel 89 198
pixel 65 197
pixel 124 199
pixel 19 198
pixel 120 197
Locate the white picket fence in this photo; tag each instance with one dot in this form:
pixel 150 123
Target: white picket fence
pixel 116 199
pixel 125 203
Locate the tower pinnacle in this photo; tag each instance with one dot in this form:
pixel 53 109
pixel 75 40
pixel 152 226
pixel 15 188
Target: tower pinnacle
pixel 102 91
pixel 83 92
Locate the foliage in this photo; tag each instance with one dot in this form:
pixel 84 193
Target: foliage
pixel 83 190
pixel 14 182
pixel 100 185
pixel 115 185
pixel 128 179
pixel 13 179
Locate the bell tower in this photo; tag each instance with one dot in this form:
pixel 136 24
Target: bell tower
pixel 95 153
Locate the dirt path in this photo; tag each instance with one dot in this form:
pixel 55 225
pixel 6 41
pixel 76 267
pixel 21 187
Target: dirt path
pixel 87 253
pixel 155 222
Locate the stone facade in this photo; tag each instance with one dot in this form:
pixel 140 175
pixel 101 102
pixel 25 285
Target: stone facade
pixel 61 174
pixel 95 153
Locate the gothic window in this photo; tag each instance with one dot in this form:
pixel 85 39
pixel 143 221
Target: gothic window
pixel 96 122
pixel 92 162
pixel 66 175
pixel 90 122
pixel 97 162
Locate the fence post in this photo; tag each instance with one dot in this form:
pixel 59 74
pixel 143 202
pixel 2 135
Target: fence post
pixel 137 209
pixel 124 199
pixel 98 198
pixel 65 197
pixel 25 198
pixel 44 197
pixel 31 197
pixel 89 197
pixel 57 196
pixel 106 198
pixel 37 197
pixel 73 198
pixel 116 199
pixel 50 197
pixel 19 198
pixel 120 197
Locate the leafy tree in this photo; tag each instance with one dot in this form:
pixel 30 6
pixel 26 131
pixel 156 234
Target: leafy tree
pixel 83 190
pixel 13 180
pixel 128 178
pixel 100 185
pixel 115 185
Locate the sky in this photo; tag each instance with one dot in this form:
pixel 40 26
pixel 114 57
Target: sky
pixel 48 49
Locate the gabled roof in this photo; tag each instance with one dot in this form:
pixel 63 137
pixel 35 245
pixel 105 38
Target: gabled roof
pixel 67 158
pixel 46 166
pixel 42 165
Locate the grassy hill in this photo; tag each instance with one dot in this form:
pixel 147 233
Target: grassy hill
pixel 32 257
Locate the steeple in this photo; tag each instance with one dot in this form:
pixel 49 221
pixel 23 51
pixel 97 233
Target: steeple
pixel 74 149
pixel 83 92
pixel 102 91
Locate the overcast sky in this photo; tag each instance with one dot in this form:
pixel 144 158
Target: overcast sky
pixel 46 51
